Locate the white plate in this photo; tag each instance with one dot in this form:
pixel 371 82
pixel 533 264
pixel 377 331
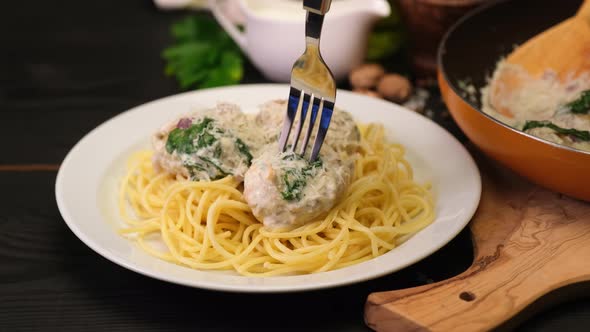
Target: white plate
pixel 86 187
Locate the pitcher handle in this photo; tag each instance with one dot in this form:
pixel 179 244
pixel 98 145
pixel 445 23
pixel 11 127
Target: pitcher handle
pixel 228 26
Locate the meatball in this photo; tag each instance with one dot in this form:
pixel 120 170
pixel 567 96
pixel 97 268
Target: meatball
pixel 343 133
pixel 285 190
pixel 207 145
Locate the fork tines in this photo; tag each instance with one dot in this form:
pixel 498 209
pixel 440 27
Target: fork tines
pixel 302 102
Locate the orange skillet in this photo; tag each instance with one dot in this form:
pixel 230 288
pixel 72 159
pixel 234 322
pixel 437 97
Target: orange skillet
pixel 468 54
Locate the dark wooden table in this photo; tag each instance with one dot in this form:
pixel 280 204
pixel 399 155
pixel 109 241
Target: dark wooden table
pixel 67 66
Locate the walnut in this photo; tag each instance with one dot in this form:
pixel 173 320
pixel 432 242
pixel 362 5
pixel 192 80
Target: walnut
pixel 367 92
pixel 395 88
pixel 366 76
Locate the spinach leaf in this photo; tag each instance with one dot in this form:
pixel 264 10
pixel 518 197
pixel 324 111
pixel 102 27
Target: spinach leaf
pixel 217 152
pixel 294 182
pixel 202 142
pixel 295 179
pixel 205 139
pixel 219 173
pixel 206 165
pixel 182 140
pixel 582 104
pixel 193 168
pixel 203 55
pixel 244 150
pixel 582 135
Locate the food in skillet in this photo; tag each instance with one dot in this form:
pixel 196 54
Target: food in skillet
pixel 546 107
pixel 543 86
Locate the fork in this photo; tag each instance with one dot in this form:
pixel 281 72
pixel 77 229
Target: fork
pixel 313 88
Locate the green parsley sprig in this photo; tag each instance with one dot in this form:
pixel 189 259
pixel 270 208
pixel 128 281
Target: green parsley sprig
pixel 203 55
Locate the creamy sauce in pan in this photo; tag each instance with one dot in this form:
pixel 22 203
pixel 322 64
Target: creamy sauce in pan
pixel 542 103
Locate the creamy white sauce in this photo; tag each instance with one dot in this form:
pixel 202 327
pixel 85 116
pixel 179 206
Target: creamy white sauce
pixel 537 99
pixel 265 186
pixel 264 181
pixel 343 133
pixel 205 163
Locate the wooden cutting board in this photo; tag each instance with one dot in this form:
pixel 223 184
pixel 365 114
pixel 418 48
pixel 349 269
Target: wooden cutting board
pixel 532 249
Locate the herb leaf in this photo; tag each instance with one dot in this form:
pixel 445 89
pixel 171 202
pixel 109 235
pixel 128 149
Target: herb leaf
pixel 582 135
pixel 295 179
pixel 244 150
pixel 182 140
pixel 294 183
pixel 387 38
pixel 220 172
pixel 201 149
pixel 582 104
pixel 203 55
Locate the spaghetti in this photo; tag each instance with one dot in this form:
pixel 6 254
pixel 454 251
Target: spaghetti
pixel 209 226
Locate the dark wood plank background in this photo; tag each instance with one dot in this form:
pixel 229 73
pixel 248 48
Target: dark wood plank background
pixel 65 67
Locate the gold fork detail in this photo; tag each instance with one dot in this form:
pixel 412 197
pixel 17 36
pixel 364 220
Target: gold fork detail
pixel 313 88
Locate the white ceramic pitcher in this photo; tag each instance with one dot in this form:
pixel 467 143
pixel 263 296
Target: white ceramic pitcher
pixel 274 35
